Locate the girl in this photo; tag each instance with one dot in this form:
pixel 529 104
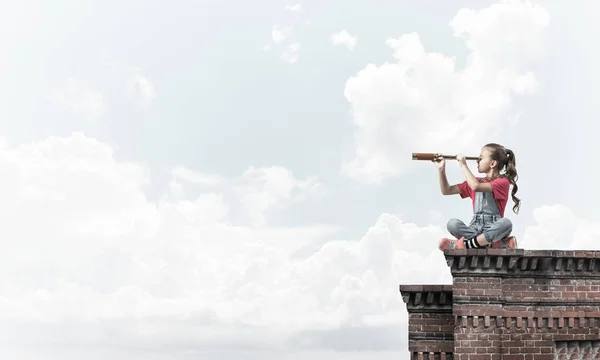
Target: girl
pixel 488 227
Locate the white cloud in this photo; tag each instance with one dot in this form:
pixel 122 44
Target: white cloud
pixel 423 102
pixel 266 188
pixel 280 33
pixel 83 246
pixel 525 84
pixel 182 176
pixel 343 38
pixel 80 99
pixel 139 88
pixel 291 54
pixel 559 228
pixel 196 177
pixel 294 8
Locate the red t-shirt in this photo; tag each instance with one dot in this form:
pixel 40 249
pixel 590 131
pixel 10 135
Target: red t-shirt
pixel 500 187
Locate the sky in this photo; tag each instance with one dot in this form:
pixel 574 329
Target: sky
pixel 232 180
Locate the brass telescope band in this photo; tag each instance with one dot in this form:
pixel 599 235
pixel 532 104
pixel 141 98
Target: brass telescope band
pixel 432 156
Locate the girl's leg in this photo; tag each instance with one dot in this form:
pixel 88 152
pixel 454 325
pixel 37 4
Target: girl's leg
pixel 469 237
pixel 498 230
pixel 459 229
pixel 491 233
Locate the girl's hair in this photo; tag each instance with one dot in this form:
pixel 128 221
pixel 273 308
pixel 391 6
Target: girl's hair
pixel 505 157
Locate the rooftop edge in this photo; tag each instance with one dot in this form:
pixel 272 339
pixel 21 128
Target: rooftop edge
pixel 524 263
pixel 427 298
pixel 588 254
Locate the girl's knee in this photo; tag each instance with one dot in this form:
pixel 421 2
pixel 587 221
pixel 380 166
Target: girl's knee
pixel 505 224
pixel 453 225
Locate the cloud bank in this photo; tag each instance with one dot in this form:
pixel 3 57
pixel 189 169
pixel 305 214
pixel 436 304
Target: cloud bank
pixel 426 102
pixel 84 246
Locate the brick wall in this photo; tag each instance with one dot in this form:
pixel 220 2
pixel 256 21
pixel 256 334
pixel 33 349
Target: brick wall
pixel 430 321
pixel 514 304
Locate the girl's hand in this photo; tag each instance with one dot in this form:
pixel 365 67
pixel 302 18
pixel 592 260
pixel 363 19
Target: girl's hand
pixel 439 161
pixel 461 159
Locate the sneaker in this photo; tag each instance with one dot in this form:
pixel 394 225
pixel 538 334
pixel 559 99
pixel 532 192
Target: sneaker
pixel 506 243
pixel 446 244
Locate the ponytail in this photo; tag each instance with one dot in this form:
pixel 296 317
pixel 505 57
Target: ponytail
pixel 506 158
pixel 512 176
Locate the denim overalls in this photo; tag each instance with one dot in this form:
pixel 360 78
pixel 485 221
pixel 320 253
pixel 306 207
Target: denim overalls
pixel 486 219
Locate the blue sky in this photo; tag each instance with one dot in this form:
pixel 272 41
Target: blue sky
pixel 171 178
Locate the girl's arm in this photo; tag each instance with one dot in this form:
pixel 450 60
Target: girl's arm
pixel 474 184
pixel 444 186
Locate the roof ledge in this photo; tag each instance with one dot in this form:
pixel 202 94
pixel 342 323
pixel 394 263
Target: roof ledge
pixel 524 263
pixel 427 298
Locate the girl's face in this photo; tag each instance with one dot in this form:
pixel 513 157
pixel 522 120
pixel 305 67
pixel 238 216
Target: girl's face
pixel 485 162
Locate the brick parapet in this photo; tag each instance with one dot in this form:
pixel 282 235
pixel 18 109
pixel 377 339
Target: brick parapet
pixel 548 264
pixel 531 285
pixel 427 298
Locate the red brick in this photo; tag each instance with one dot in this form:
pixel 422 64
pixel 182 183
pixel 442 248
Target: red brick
pixel 480 357
pixel 513 357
